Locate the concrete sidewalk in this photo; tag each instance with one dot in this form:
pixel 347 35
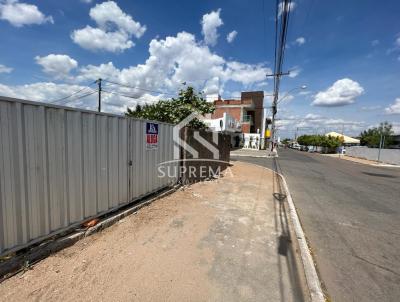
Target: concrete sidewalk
pixel 224 240
pixel 250 153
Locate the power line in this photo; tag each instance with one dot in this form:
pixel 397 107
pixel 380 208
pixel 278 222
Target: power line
pixel 138 88
pixel 122 94
pixel 68 96
pixel 79 97
pixel 282 13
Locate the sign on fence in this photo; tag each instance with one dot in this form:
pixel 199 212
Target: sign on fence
pixel 151 136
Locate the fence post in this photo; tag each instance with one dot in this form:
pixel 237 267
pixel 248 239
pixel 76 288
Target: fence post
pixel 380 147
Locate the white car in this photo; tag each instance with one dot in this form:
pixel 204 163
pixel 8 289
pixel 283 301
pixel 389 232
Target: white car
pixel 296 146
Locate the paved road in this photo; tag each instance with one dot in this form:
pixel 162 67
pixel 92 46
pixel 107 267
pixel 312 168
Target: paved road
pixel 350 213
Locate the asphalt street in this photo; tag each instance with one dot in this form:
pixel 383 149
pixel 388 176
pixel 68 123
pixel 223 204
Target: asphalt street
pixel 350 213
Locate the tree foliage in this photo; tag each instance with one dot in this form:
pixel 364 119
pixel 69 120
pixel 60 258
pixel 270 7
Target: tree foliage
pixel 372 137
pixel 175 110
pixel 328 142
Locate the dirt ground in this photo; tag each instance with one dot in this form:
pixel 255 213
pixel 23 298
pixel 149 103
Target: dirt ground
pixel 221 240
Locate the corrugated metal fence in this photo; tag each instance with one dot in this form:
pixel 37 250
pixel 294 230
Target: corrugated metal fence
pixel 60 166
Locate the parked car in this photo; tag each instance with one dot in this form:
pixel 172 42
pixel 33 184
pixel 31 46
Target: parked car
pixel 296 146
pixel 312 149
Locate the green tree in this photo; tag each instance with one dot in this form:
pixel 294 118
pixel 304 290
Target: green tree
pixel 372 137
pixel 175 110
pixel 329 142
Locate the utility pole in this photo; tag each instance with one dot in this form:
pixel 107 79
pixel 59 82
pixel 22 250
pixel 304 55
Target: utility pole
pixel 99 90
pixel 277 76
pixel 341 149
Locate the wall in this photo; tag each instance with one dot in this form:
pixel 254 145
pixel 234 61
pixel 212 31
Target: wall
pixel 206 160
pixel 257 98
pixel 235 112
pixel 60 166
pixel 390 156
pixel 229 124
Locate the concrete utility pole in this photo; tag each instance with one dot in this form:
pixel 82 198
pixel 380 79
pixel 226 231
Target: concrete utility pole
pixel 275 105
pixel 99 90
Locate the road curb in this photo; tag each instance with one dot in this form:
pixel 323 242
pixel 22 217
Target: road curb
pixel 313 282
pixel 258 156
pixel 312 279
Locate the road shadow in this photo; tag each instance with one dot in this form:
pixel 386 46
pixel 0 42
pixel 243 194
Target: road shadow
pixel 288 259
pixel 379 175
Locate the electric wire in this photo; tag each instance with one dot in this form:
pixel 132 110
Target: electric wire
pixel 138 88
pixel 68 96
pixel 78 97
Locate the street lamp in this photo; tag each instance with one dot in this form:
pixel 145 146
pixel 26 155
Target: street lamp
pixel 288 93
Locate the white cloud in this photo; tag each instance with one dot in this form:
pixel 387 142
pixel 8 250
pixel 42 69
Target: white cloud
pixel 97 39
pixel 312 116
pixel 114 32
pixel 245 73
pixel 294 72
pixel 231 36
pixel 342 92
pixel 370 108
pixel 395 48
pixel 109 12
pixel 5 69
pixel 306 92
pixel 57 65
pixel 393 108
pixel 40 92
pixel 87 1
pixel 20 14
pixel 315 123
pixel 49 92
pixel 291 7
pixel 174 60
pixel 300 41
pixel 210 24
pixel 375 42
pixel 397 42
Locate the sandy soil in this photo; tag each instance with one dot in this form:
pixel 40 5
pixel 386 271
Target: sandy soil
pixel 212 241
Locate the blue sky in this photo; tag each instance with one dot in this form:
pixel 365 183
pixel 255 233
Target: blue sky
pixel 347 53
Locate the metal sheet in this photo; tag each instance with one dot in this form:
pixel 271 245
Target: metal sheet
pixel 60 166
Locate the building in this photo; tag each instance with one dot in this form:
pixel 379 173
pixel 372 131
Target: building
pixel 228 125
pixel 248 110
pixel 347 140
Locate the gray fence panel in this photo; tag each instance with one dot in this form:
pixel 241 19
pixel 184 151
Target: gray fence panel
pixel 60 166
pixel 144 175
pixel 390 156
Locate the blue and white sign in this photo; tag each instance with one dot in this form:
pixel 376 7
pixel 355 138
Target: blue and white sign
pixel 151 136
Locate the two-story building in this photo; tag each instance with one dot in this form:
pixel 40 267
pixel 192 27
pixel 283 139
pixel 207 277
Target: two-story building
pixel 248 110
